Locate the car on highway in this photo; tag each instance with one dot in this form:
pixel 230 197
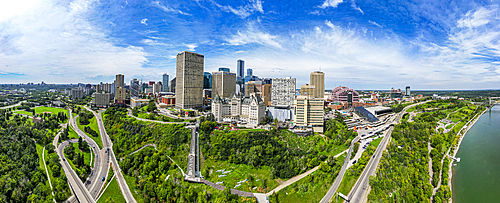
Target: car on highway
pixel 354 161
pixel 103 178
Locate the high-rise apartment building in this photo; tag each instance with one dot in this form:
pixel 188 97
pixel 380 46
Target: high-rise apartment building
pixel 408 92
pixel 207 80
pixel 135 88
pixel 120 90
pixel 309 112
pixel 318 81
pixel 223 84
pixel 165 82
pixel 189 84
pixel 77 93
pixel 283 91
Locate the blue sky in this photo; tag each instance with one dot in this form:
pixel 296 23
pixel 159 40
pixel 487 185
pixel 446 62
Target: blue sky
pixel 361 44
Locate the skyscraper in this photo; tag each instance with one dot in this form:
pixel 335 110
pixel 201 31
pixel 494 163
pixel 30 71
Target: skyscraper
pixel 318 81
pixel 189 84
pixel 120 90
pixel 249 72
pixel 134 88
pixel 240 75
pixel 224 69
pixel 207 80
pixel 283 91
pixel 223 84
pixel 173 82
pixel 165 82
pixel 408 92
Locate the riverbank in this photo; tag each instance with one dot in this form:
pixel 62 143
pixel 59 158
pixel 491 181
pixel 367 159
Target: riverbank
pixel 469 126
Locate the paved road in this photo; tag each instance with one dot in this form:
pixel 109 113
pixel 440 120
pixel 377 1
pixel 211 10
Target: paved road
pixel 13 105
pixel 81 193
pixel 107 144
pixel 328 196
pixel 94 181
pixel 357 193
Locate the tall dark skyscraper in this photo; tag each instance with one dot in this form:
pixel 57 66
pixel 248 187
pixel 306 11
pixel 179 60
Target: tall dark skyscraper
pixel 240 75
pixel 207 80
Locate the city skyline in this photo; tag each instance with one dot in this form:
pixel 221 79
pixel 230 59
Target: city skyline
pixel 363 45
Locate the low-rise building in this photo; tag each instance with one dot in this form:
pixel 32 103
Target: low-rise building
pixel 136 102
pixel 249 109
pixel 167 100
pixel 282 113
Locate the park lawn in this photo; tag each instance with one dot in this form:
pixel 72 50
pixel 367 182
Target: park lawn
pixel 24 112
pixel 86 155
pixel 41 109
pixel 93 126
pixel 240 172
pixel 113 192
pixel 311 188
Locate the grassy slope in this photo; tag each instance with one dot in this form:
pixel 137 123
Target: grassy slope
pixel 135 192
pixel 93 125
pixel 114 192
pixel 86 155
pixel 305 191
pixel 238 173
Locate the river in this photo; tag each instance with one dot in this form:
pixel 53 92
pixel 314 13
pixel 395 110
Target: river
pixel 477 177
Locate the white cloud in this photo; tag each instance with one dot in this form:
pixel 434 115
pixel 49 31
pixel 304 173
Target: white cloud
pixel 71 50
pixel 331 3
pixel 375 23
pixel 243 11
pixel 349 57
pixel 477 18
pixel 329 24
pixel 9 9
pixel 191 47
pixel 155 43
pixel 168 9
pixel 144 21
pixel 253 35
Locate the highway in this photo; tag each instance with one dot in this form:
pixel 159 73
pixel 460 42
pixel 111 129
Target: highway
pixel 328 196
pixel 358 192
pixel 94 181
pixel 108 145
pixel 81 193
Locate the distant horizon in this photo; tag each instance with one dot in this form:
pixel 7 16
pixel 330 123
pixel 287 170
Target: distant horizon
pixel 382 90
